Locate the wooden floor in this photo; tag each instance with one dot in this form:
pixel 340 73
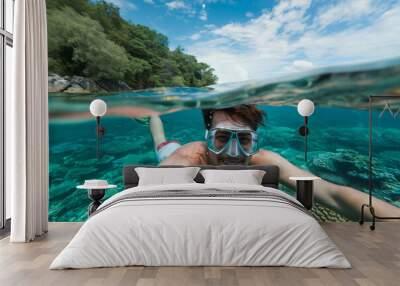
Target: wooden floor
pixel 375 257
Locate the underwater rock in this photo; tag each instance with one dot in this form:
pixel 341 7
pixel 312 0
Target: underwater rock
pixel 349 167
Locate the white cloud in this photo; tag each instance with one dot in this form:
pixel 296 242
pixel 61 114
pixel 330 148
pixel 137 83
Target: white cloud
pixel 124 4
pixel 249 15
pixel 344 11
pixel 130 6
pixel 291 37
pixel 301 65
pixel 176 5
pixel 194 8
pixel 190 8
pixel 206 29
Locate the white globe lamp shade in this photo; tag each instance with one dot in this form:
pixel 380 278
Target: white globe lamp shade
pixel 305 107
pixel 98 107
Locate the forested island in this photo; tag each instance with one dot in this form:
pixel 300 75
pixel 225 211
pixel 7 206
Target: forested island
pixel 91 47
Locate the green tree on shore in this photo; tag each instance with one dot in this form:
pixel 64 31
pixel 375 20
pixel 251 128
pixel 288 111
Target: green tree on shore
pixel 91 39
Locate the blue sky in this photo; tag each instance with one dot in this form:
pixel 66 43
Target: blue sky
pixel 246 40
pixel 180 19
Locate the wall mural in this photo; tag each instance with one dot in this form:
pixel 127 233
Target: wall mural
pixel 165 106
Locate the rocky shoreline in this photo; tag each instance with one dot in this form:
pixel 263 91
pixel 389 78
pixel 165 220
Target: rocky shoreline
pixel 80 84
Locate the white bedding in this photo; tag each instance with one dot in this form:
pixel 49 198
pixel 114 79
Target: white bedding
pixel 200 231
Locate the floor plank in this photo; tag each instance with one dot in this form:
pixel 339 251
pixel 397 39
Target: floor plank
pixel 374 255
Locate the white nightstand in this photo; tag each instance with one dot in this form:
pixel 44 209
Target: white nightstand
pixel 304 190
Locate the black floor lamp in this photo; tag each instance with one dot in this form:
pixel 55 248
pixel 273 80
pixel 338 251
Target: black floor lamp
pixel 370 183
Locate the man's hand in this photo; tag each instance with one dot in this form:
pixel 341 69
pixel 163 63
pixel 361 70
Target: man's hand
pixel 194 153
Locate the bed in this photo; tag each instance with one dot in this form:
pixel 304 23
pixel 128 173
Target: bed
pixel 198 224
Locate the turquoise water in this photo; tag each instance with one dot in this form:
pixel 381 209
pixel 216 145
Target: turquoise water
pixel 338 142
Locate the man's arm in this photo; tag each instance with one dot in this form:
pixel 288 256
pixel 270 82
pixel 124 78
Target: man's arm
pixel 345 200
pixel 190 154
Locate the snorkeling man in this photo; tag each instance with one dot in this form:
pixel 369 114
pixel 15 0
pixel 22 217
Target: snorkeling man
pixel 231 138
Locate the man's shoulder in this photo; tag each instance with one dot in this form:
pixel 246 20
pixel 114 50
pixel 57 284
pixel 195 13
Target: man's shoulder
pixel 264 157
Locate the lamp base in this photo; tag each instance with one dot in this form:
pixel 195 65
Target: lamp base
pixel 95 195
pixel 374 216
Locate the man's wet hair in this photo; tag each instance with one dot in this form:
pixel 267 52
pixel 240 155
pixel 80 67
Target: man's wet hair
pixel 247 114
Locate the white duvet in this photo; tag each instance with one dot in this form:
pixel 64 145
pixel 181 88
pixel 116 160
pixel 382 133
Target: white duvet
pixel 200 231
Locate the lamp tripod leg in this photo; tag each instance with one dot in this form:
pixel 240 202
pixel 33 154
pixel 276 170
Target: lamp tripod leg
pixel 372 210
pixel 362 214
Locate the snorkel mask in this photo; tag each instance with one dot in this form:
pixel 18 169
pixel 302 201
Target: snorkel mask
pixel 231 141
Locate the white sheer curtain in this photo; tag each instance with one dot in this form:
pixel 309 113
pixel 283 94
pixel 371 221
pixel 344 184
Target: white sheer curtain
pixel 27 124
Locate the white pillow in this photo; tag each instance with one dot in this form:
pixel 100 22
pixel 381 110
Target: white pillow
pixel 166 176
pixel 248 177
